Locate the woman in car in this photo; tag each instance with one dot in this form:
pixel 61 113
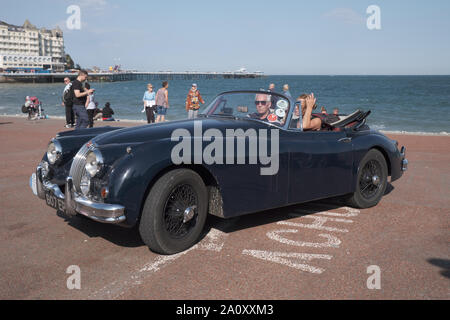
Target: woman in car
pixel 310 122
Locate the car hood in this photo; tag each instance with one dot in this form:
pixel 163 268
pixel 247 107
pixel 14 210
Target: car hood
pixel 160 131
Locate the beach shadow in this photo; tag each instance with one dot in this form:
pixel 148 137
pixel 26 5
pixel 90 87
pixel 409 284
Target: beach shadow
pixel 441 263
pixel 124 237
pixel 6 122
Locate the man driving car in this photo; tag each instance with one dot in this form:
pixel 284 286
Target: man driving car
pixel 263 104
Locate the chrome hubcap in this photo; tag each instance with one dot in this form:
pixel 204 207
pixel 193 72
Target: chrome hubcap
pixel 376 180
pixel 189 213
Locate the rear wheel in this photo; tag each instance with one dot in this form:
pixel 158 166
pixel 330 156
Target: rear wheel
pixel 174 213
pixel 371 181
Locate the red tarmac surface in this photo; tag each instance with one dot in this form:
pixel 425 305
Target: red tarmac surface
pixel 278 254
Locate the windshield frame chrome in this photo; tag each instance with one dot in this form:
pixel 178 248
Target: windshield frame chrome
pixel 289 99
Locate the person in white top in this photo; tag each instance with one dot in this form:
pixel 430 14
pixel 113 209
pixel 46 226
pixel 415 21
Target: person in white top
pixel 91 104
pixel 149 103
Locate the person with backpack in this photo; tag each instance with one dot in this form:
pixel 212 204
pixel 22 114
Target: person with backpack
pixel 67 102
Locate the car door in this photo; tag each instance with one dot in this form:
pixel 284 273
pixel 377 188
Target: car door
pixel 244 187
pixel 320 164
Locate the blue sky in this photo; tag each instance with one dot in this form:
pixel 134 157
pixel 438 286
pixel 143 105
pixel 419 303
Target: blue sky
pixel 277 37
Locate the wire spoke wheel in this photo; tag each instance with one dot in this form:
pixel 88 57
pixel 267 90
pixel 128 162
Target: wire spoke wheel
pixel 370 179
pixel 174 212
pixel 181 201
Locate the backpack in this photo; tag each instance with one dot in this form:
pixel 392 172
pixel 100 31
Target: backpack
pixel 68 96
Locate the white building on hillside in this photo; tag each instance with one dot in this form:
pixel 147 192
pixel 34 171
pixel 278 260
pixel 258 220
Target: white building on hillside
pixel 29 48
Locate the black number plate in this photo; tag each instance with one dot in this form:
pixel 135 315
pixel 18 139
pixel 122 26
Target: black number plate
pixel 55 202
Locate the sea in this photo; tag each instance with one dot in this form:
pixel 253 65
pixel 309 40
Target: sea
pixel 408 104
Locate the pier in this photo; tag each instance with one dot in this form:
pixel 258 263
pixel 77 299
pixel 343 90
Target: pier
pixel 124 76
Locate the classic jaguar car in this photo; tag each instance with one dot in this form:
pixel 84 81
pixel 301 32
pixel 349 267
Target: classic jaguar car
pixel 247 152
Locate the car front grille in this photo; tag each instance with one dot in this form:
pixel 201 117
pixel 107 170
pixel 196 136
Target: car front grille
pixel 79 161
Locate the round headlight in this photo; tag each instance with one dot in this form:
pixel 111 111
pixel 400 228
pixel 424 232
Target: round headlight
pixel 85 184
pixel 54 151
pixel 94 162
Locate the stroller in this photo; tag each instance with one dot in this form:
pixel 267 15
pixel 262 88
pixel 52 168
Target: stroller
pixel 34 109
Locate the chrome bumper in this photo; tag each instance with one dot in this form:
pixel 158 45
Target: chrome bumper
pixel 75 203
pixel 404 164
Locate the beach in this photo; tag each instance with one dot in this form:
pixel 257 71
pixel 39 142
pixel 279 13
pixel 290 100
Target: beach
pixel 406 235
pixel 398 103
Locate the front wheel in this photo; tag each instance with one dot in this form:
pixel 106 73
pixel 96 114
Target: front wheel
pixel 371 181
pixel 175 212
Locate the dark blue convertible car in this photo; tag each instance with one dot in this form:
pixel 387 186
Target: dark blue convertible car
pixel 247 152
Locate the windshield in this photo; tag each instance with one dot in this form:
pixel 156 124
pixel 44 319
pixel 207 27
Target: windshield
pixel 260 106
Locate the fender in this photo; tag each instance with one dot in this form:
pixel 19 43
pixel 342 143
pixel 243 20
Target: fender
pixel 363 142
pixel 132 174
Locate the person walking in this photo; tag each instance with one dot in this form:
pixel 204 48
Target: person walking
pixel 286 91
pixel 274 98
pixel 149 103
pixel 193 100
pixel 79 100
pixel 162 102
pixel 67 102
pixel 91 104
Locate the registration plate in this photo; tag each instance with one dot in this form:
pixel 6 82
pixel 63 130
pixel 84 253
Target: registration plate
pixel 55 202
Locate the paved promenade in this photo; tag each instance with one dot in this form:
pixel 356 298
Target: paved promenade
pixel 318 250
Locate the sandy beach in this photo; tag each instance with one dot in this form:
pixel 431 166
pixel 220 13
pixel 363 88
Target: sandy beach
pixel 406 235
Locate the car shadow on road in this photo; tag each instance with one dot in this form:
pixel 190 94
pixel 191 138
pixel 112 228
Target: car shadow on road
pixel 124 237
pixel 389 188
pixel 129 237
pixel 271 216
pixel 441 263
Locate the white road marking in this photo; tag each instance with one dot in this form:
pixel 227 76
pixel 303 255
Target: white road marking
pixel 350 212
pixel 213 241
pixel 320 218
pixel 285 258
pixel 161 261
pixel 332 241
pixel 318 223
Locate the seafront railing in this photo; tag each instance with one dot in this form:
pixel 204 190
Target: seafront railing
pixel 124 76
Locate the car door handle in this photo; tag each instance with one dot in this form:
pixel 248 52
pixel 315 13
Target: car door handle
pixel 346 140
